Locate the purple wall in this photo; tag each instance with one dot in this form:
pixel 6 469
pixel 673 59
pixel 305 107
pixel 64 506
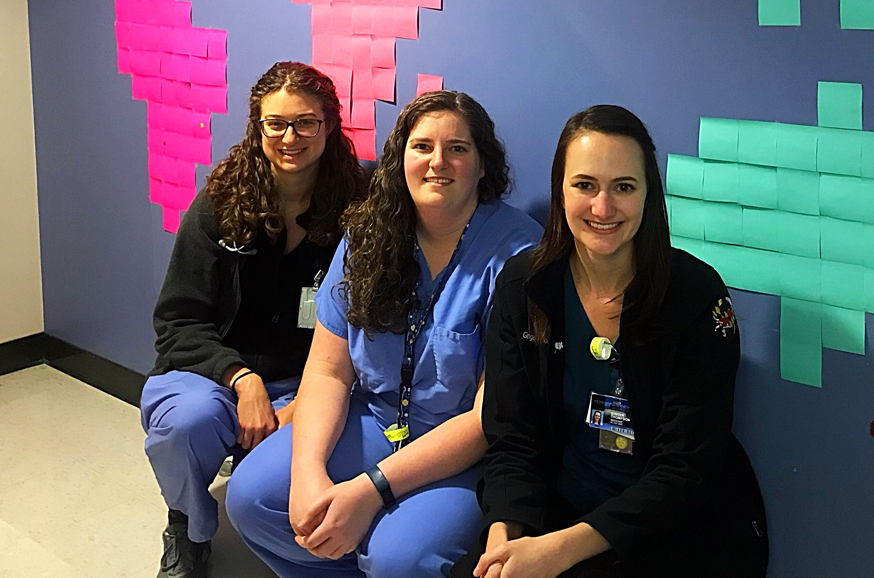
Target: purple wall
pixel 531 64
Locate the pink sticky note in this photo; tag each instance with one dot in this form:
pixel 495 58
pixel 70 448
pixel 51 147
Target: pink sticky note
pixel 362 19
pixel 153 88
pixel 322 48
pixel 171 220
pixel 199 40
pixel 124 61
pixel 183 94
pixel 123 34
pixel 345 110
pixel 165 38
pixel 363 113
pixel 155 115
pixel 362 85
pixel 217 44
pixel 182 14
pixel 186 174
pixel 365 144
pixel 361 51
pixel 433 4
pixel 155 191
pixel 150 37
pixel 382 52
pixel 383 21
pixel 122 10
pixel 209 98
pixel 342 77
pixel 341 18
pixel 145 62
pixel 341 52
pixel 161 13
pixel 428 83
pixel 168 93
pixel 176 145
pixel 202 150
pixel 138 87
pixel 406 22
pixel 181 41
pixel 156 141
pixel 197 68
pixel 321 18
pixel 137 12
pixel 156 166
pixel 384 84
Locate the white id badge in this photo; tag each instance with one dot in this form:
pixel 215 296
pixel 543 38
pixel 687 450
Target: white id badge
pixel 609 414
pixel 306 313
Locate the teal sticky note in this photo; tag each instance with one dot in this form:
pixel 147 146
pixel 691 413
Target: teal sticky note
pixel 760 229
pixel 728 262
pixel 757 186
pixel 839 105
pixel 848 198
pixel 692 246
pixel 801 341
pixel 717 139
pixel 757 143
pixel 796 147
pixel 723 223
pixel 685 176
pixel 798 191
pixel 758 270
pixel 779 12
pixel 869 290
pixel 687 216
pixel 867 168
pixel 846 241
pixel 839 151
pixel 797 234
pixel 800 278
pixel 721 182
pixel 857 14
pixel 843 285
pixel 843 329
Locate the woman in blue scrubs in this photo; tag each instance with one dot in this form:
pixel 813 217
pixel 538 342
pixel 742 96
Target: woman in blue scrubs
pixel 378 476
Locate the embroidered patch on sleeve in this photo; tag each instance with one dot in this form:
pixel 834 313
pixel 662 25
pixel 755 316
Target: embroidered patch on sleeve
pixel 723 315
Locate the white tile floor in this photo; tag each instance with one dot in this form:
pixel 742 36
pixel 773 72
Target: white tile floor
pixel 77 496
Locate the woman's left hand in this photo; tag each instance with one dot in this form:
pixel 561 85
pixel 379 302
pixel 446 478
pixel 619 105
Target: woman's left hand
pixel 522 558
pixel 348 509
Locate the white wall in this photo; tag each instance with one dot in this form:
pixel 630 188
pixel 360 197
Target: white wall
pixel 21 308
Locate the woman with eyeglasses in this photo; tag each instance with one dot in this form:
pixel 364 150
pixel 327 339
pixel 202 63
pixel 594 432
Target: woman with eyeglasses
pixel 378 477
pixel 235 317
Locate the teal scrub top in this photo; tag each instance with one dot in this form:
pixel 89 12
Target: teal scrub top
pixel 589 476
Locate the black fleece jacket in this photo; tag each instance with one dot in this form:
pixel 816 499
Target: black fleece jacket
pixel 697 509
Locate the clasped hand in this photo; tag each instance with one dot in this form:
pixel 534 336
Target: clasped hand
pixel 521 558
pixel 337 517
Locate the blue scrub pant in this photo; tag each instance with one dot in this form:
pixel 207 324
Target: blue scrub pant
pixel 191 425
pixel 421 537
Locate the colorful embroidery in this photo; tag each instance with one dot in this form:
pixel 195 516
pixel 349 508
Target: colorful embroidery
pixel 723 315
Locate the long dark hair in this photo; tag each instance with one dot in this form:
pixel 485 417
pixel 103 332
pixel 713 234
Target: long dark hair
pixel 652 243
pixel 381 269
pixel 242 186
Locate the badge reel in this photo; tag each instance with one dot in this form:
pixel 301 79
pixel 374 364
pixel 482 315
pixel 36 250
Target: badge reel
pixel 609 413
pixel 306 313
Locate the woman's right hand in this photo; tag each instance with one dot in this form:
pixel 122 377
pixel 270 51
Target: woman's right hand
pixel 302 495
pixel 254 411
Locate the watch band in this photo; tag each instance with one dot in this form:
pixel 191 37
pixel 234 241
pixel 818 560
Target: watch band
pixel 382 486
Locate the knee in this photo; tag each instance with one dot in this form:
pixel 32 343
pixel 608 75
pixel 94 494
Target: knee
pixel 401 559
pixel 196 416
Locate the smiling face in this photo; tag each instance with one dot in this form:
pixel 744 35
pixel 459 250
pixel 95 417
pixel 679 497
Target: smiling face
pixel 604 192
pixel 293 155
pixel 441 163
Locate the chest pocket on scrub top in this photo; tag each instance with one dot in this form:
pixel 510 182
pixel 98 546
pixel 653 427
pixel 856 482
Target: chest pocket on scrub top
pixel 456 360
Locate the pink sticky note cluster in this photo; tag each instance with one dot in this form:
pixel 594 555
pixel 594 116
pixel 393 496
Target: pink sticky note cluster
pixel 181 73
pixel 354 44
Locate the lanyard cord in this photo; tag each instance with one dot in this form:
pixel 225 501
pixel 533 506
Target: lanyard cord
pixel 416 321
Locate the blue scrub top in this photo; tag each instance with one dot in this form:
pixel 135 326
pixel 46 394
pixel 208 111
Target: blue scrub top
pixel 449 350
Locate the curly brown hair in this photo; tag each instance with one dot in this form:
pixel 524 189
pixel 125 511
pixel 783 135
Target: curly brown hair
pixel 381 270
pixel 242 187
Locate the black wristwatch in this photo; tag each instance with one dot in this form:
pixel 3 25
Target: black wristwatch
pixel 382 486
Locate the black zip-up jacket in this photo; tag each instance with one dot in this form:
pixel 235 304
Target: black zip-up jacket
pixel 697 510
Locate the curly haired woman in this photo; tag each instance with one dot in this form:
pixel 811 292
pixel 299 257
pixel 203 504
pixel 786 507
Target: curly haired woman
pixel 234 319
pixel 380 477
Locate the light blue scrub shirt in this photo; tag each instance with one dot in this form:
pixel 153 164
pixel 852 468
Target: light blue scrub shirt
pixel 449 350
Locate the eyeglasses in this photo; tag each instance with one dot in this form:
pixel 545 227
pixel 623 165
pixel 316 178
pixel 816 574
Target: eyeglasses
pixel 302 127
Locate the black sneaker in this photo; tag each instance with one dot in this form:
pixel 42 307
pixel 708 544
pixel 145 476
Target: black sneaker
pixel 182 558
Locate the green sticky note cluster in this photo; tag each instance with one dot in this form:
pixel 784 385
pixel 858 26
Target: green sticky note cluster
pixel 839 104
pixel 779 12
pixel 855 14
pixel 787 210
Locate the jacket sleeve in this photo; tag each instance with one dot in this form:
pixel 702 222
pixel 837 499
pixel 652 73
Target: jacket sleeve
pixel 514 487
pixel 690 443
pixel 187 336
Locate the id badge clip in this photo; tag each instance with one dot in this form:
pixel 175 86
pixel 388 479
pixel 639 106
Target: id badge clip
pixel 306 312
pixel 609 415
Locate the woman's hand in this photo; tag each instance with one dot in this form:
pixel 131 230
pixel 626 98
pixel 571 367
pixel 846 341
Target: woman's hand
pixel 285 415
pixel 522 558
pixel 343 516
pixel 302 496
pixel 254 411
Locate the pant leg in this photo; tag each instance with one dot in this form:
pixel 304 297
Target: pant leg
pixel 191 424
pixel 257 498
pixel 426 532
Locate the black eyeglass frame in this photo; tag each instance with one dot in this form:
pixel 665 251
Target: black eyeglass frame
pixel 292 124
